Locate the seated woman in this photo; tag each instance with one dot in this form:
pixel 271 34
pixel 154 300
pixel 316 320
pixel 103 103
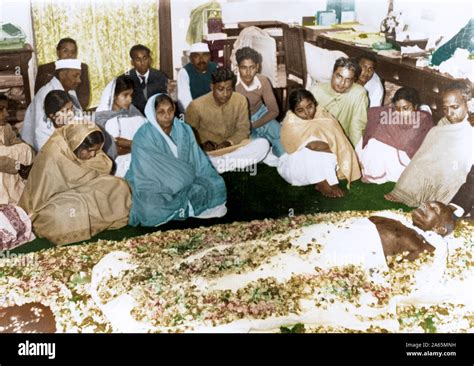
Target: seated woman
pixel 120 118
pixel 393 135
pixel 170 176
pixel 316 147
pixel 15 159
pixel 70 194
pixel 59 111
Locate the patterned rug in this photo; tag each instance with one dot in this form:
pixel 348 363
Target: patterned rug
pixel 259 276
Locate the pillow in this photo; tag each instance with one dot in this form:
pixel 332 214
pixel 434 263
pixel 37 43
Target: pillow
pixel 320 62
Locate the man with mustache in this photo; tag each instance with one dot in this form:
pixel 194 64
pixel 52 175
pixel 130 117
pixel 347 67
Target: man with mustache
pixel 194 79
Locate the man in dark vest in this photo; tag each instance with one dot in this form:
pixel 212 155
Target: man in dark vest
pixel 146 80
pixel 194 79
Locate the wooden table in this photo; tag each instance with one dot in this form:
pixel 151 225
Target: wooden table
pixel 401 71
pixel 15 62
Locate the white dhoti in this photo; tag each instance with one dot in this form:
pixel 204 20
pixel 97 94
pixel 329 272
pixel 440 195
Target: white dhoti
pixel 306 166
pixel 123 163
pixel 243 159
pixel 357 242
pixel 380 162
pixel 12 185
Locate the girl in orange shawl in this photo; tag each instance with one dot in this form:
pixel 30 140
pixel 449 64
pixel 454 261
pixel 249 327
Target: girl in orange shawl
pixel 317 150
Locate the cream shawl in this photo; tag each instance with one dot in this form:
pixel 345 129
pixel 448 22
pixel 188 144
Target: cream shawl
pixel 295 131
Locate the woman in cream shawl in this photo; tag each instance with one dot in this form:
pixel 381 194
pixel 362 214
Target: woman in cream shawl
pixel 70 195
pixel 316 147
pixel 120 118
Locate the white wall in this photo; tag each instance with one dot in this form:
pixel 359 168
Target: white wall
pixel 180 15
pixel 436 17
pixel 234 11
pixel 19 13
pixel 433 17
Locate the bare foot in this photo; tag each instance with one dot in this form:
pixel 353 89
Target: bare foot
pixel 391 198
pixel 329 191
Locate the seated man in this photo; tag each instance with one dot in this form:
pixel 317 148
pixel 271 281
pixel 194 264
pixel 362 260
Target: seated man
pixel 16 158
pixel 66 48
pixel 194 79
pixel 369 79
pixel 344 99
pixel 258 91
pixel 147 81
pixel 441 164
pixel 220 120
pixel 36 127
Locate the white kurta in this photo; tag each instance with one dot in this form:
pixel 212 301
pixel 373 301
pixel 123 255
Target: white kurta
pixel 125 127
pixel 375 90
pixel 37 128
pixel 184 89
pixel 305 166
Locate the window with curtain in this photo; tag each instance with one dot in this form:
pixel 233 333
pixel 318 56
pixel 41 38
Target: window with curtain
pixel 104 31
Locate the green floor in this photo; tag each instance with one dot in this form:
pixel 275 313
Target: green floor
pixel 263 195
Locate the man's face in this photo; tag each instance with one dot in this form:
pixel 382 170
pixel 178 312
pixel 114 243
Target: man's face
pixel 454 106
pixel 432 216
pixel 342 79
pixel 368 69
pixel 67 50
pixel 70 79
pixel 141 61
pixel 222 91
pixel 247 71
pixel 200 60
pixel 3 111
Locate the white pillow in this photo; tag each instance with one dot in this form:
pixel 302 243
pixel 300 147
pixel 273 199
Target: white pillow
pixel 320 62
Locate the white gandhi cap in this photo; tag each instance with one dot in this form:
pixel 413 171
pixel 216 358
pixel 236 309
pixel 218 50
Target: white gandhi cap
pixel 68 63
pixel 199 47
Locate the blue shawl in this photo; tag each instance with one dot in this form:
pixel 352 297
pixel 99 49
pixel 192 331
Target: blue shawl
pixel 169 173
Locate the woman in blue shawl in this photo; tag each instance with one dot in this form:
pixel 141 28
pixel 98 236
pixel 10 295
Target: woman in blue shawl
pixel 171 178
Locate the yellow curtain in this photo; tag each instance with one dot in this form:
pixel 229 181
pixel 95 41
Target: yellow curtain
pixel 104 32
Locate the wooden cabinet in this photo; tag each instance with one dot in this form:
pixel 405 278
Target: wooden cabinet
pixel 14 80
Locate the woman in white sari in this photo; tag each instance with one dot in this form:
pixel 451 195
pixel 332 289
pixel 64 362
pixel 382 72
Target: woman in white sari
pixel 120 118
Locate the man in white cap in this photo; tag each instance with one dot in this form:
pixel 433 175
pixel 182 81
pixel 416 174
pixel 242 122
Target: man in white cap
pixel 66 48
pixel 194 79
pixel 37 128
